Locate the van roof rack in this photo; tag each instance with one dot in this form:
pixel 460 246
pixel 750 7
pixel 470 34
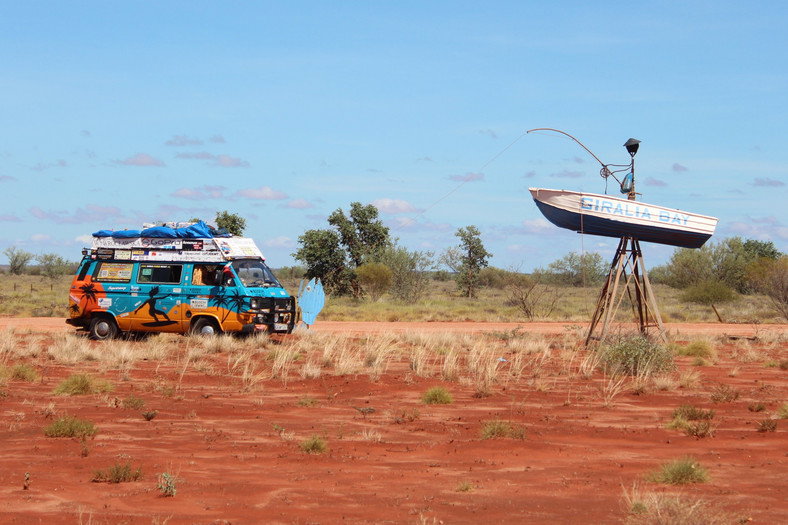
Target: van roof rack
pixel 195 242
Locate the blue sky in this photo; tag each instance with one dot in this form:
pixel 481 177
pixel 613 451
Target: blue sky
pixel 119 113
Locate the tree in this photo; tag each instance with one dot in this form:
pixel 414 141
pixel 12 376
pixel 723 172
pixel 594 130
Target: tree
pixel 760 250
pixel 375 279
pixel 530 296
pixel 730 261
pixel 575 269
pixel 362 234
pixel 467 259
pixel 409 277
pixel 232 222
pixel 324 258
pixel 333 254
pixel 18 259
pixel 772 281
pixel 52 265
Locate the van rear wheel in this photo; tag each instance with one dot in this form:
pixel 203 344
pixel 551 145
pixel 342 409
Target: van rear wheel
pixel 206 326
pixel 103 328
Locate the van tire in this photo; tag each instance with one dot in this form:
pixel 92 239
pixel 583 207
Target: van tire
pixel 206 326
pixel 103 328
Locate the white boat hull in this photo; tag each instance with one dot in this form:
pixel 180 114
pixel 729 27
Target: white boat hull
pixel 608 216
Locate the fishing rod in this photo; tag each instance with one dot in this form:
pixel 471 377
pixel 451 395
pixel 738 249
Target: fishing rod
pixel 627 185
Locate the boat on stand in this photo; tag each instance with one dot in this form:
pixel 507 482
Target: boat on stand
pixel 595 214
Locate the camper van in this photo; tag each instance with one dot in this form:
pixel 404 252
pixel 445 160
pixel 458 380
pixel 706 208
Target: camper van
pixel 181 280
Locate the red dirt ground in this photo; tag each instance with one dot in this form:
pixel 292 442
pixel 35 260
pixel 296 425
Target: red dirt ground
pixel 232 464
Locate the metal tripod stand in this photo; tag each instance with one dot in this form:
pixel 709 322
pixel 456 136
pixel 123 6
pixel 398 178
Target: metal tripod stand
pixel 627 265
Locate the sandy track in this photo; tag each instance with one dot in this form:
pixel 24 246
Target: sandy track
pixel 58 324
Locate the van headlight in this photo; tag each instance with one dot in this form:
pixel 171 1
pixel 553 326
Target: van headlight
pixel 255 303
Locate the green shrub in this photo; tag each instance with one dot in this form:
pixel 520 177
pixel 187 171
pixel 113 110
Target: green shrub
pixel 118 473
pixel 679 472
pixel 167 485
pixel 636 355
pixel 693 421
pixel 500 429
pixel 702 349
pixel 133 402
pixel 708 292
pixel 69 426
pixel 24 372
pixel 495 429
pixel 724 394
pixel 692 413
pixel 314 445
pixel 437 395
pixel 82 384
pixel 375 279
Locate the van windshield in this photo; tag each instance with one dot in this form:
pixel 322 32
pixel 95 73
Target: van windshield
pixel 254 273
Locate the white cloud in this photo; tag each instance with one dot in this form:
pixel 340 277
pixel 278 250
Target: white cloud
pixel 299 204
pixel 262 193
pixel 183 140
pixel 279 242
pixel 468 177
pixel 393 206
pixel 141 159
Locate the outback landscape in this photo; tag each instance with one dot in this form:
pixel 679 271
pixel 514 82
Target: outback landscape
pixel 353 422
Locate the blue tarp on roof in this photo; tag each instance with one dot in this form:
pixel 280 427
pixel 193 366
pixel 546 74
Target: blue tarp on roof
pixel 199 230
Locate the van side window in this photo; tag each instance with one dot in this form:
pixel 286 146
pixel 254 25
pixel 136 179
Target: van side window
pixel 83 272
pixel 160 273
pixel 203 275
pixel 107 272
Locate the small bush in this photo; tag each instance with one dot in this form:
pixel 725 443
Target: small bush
pixel 133 402
pixel 693 421
pixel 24 372
pixel 314 445
pixel 679 472
pixel 437 395
pixel 150 414
pixel 724 394
pixel 307 402
pixel 702 349
pixel 692 413
pixel 375 279
pixel 464 486
pixel 782 412
pixel 655 508
pixel 500 429
pixel 495 429
pixel 167 485
pixel 708 292
pixel 767 425
pixel 636 355
pixel 118 473
pixel 69 426
pixel 82 384
pixel 756 407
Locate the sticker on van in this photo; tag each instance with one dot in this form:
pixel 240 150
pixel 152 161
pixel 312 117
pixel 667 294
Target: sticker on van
pixel 198 303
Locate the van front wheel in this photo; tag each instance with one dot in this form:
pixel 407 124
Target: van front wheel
pixel 103 328
pixel 206 326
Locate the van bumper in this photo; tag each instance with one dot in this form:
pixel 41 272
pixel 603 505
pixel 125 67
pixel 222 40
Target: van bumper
pixel 270 328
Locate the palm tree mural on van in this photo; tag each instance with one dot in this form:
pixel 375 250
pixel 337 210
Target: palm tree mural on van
pixel 230 303
pixel 88 295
